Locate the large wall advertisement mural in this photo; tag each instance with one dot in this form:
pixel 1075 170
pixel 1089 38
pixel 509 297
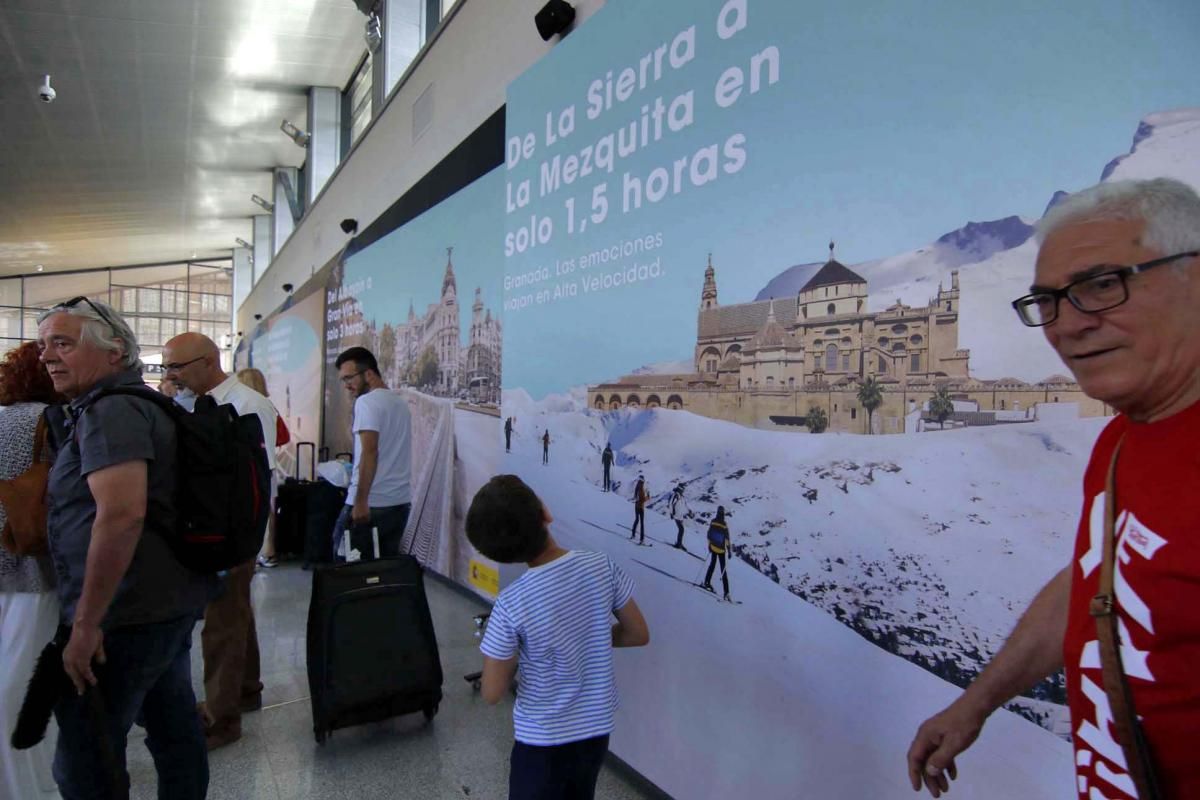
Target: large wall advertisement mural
pixel 425 299
pixel 732 226
pixel 287 348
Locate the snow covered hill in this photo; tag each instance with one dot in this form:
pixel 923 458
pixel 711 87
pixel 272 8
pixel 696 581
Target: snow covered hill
pixel 996 259
pixel 927 545
pixel 1166 144
pixel 899 580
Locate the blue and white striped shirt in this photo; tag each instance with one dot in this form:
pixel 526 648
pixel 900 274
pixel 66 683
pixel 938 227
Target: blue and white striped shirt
pixel 558 619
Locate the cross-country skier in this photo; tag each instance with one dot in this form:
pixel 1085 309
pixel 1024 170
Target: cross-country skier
pixel 718 545
pixel 606 458
pixel 640 495
pixel 679 509
pixel 546 447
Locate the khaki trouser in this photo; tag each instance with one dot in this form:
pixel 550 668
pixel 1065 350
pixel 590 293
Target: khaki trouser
pixel 229 642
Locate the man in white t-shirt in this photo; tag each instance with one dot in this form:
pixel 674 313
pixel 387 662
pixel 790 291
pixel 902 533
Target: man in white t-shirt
pixel 380 494
pixel 229 640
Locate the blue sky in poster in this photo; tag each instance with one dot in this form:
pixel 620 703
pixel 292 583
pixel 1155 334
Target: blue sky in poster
pixel 890 124
pixel 408 264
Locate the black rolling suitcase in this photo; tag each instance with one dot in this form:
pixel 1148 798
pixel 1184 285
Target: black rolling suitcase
pixel 325 501
pixel 291 505
pixel 372 651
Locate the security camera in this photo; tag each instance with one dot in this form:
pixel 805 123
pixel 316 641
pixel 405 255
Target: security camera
pixel 46 91
pixel 287 287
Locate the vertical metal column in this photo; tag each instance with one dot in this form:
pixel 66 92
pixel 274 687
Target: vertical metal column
pixel 243 276
pixel 263 250
pixel 287 205
pixel 325 130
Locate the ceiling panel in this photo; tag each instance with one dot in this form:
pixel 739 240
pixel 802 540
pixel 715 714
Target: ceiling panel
pixel 167 120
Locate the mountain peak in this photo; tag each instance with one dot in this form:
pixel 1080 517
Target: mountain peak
pixel 1058 197
pixel 985 238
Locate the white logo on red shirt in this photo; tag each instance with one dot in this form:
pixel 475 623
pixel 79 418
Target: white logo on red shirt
pixel 1093 734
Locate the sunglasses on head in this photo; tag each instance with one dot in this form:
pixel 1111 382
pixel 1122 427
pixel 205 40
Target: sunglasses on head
pixel 74 301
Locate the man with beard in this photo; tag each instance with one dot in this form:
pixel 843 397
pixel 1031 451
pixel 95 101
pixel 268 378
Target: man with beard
pixel 380 495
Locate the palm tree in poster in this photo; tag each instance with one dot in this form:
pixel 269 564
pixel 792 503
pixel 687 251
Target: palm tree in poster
pixel 941 406
pixel 870 394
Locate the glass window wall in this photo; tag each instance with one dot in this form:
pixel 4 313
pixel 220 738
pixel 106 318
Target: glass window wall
pixel 158 302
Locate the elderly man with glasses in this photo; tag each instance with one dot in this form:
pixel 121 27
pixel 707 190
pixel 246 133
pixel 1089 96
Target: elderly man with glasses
pixel 229 641
pixel 1117 293
pixel 129 603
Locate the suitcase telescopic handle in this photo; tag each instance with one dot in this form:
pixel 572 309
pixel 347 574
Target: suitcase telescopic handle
pixel 312 459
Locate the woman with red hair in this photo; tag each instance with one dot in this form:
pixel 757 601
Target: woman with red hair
pixel 28 604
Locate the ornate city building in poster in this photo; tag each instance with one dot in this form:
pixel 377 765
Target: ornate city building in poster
pixel 429 353
pixel 766 363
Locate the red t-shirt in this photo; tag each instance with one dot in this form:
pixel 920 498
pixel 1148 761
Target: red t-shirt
pixel 1157 587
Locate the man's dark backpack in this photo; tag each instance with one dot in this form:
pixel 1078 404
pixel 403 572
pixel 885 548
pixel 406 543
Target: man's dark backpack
pixel 223 481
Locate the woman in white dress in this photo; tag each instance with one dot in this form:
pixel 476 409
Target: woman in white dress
pixel 28 603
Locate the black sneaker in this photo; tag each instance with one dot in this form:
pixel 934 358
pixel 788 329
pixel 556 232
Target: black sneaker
pixel 707 587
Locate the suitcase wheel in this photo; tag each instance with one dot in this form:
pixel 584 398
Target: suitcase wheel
pixel 322 737
pixel 430 711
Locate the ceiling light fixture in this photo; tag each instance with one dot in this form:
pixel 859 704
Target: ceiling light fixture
pixel 265 205
pixel 301 138
pixel 39 267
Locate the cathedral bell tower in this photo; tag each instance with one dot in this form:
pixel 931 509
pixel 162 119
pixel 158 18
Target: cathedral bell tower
pixel 708 295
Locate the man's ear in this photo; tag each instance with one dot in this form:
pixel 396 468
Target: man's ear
pixel 546 516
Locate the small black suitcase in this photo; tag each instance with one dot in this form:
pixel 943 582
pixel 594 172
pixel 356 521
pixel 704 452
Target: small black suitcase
pixel 324 502
pixel 372 650
pixel 291 505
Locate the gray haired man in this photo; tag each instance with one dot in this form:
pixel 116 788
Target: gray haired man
pixel 130 605
pixel 1117 292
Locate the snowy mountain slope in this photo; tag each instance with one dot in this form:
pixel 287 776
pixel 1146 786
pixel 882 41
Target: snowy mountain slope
pixel 914 276
pixel 1166 144
pixel 793 682
pixel 1000 345
pixel 789 282
pixel 916 542
pixel 996 259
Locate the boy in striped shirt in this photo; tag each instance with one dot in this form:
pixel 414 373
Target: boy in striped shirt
pixel 556 622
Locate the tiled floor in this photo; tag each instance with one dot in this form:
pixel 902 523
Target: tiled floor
pixel 463 753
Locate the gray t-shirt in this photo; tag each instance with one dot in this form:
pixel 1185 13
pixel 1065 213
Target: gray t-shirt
pixel 110 431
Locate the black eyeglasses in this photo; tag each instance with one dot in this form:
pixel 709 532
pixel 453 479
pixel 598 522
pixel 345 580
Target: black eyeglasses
pixel 74 301
pixel 346 379
pixel 1091 294
pixel 175 367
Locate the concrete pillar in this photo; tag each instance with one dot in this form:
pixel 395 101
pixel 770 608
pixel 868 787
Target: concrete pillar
pixel 263 249
pixel 325 146
pixel 288 209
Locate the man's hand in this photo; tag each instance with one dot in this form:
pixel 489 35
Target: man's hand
pixel 360 514
pixel 86 641
pixel 939 739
